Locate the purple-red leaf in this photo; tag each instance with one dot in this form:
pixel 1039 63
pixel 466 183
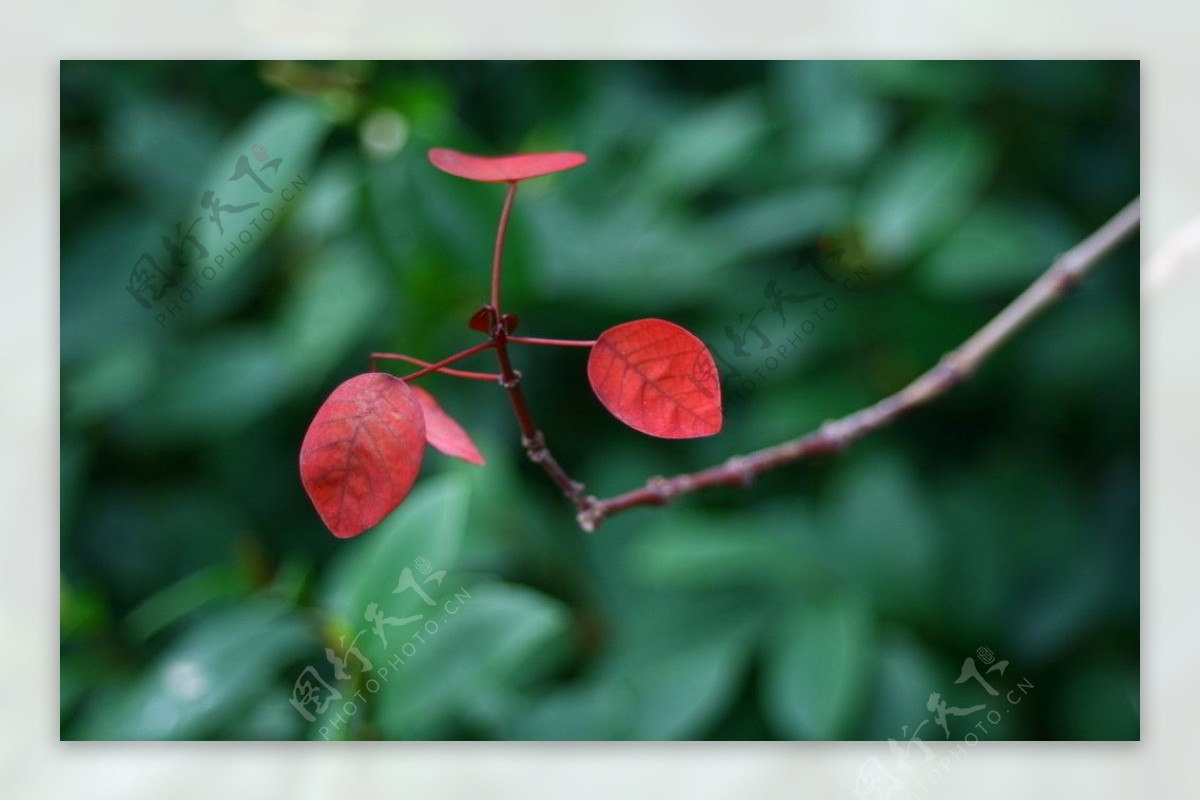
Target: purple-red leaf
pixel 363 452
pixel 483 320
pixel 443 432
pixel 497 169
pixel 656 377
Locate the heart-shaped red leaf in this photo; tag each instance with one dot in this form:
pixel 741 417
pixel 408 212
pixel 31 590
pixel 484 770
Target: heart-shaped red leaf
pixel 496 169
pixel 363 452
pixel 443 432
pixel 658 378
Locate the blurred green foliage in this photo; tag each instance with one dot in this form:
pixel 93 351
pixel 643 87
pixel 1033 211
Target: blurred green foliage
pixel 829 600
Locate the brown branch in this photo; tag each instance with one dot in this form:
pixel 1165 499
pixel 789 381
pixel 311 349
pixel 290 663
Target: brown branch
pixel 531 436
pixel 833 436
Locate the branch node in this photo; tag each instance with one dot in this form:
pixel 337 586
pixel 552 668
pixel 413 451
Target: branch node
pixel 509 383
pixel 950 371
pixel 1066 279
pixel 590 516
pixel 574 492
pixel 834 433
pixel 661 487
pixel 742 470
pixel 535 447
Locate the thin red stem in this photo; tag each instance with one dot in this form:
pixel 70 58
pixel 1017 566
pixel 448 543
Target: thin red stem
pixel 510 379
pixel 443 370
pixel 562 343
pixel 498 254
pixel 436 366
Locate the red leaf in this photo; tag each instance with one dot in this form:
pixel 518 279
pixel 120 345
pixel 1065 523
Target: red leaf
pixel 443 432
pixel 362 452
pixel 657 378
pixel 503 168
pixel 483 320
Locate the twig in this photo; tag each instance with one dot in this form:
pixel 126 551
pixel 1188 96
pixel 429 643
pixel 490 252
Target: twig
pixel 498 253
pixel 531 436
pixel 458 357
pixel 422 363
pixel 833 436
pixel 559 343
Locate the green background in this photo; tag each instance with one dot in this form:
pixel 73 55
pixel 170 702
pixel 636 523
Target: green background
pixel 827 601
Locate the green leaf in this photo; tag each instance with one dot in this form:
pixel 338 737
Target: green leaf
pixel 704 146
pixel 207 678
pixel 429 525
pixel 999 248
pixel 941 81
pixel 777 222
pixel 289 129
pixel 923 189
pixel 674 667
pixel 182 598
pixel 832 126
pixel 333 302
pixel 81 611
pixel 907 675
pixel 98 313
pixel 599 254
pixel 140 536
pixel 96 389
pixel 499 637
pixel 748 550
pixel 673 698
pixel 160 147
pixel 591 710
pixel 222 384
pixel 1081 359
pixel 881 535
pixel 271 718
pixel 330 206
pixel 818 666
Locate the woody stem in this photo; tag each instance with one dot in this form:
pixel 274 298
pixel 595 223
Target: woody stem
pixel 532 438
pixel 954 368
